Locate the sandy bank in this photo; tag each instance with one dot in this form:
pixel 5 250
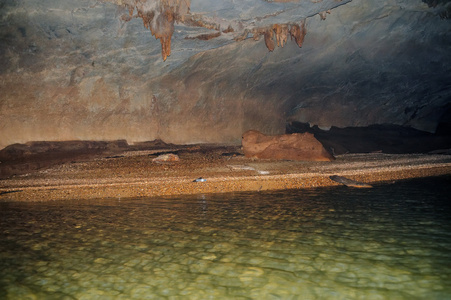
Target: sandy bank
pixel 133 174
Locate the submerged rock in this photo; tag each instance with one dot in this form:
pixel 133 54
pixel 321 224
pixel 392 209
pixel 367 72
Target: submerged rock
pixel 350 182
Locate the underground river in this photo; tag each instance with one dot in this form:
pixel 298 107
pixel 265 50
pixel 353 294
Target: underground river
pixel 389 242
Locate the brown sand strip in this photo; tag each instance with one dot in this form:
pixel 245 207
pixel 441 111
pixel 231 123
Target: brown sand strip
pixel 124 178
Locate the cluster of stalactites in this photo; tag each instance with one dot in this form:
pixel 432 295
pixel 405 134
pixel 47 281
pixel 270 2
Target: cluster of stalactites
pixel 281 34
pixel 159 17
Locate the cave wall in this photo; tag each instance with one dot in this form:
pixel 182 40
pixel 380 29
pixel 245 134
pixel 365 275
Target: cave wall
pixel 82 70
pixel 391 66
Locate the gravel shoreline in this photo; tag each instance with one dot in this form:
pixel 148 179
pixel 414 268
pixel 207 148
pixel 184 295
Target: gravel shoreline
pixel 134 174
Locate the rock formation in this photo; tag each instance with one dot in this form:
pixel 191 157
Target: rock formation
pixel 298 32
pixel 159 17
pixel 168 157
pixel 350 182
pixel 90 70
pixel 24 158
pixel 295 146
pixel 281 32
pixel 383 138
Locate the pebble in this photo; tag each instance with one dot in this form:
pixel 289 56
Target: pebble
pixel 169 157
pixel 165 248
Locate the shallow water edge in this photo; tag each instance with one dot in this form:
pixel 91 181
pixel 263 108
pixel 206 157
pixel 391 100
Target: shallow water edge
pixel 389 242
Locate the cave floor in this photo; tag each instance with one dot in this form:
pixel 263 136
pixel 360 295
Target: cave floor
pixel 224 168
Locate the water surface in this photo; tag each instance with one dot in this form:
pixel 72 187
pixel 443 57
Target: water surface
pixel 389 242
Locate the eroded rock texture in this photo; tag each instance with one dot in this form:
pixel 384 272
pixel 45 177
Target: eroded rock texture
pixel 91 70
pixel 159 17
pixel 279 33
pixel 296 146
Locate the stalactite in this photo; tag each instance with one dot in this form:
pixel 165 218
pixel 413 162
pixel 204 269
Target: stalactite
pixel 269 40
pixel 163 28
pixel 322 14
pixel 298 32
pixel 281 32
pixel 159 17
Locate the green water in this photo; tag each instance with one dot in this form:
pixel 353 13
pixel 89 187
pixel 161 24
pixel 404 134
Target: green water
pixel 389 242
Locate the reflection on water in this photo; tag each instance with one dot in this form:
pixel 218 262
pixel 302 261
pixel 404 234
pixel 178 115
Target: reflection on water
pixel 389 242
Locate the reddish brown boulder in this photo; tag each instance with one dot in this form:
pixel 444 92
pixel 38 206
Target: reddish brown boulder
pixel 296 146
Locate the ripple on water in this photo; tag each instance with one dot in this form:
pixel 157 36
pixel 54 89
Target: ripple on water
pixel 390 242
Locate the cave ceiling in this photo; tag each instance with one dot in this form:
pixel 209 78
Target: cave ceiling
pixel 189 71
pixel 226 21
